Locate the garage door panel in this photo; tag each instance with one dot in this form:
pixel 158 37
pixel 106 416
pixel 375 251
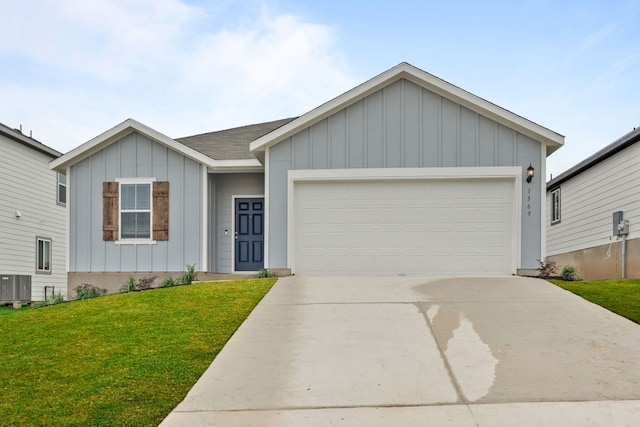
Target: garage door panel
pixel 426 227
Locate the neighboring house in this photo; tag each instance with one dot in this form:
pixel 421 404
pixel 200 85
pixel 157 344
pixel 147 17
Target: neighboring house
pixel 580 214
pixel 404 174
pixel 33 220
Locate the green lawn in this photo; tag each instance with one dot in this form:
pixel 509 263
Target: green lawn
pixel 119 360
pixel 8 309
pixel 622 296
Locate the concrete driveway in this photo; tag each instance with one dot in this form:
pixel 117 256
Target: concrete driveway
pixel 409 351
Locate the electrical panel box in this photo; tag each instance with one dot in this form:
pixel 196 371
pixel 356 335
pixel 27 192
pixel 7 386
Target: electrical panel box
pixel 623 227
pixel 620 225
pixel 617 218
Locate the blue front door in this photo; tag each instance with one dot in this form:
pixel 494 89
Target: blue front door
pixel 249 234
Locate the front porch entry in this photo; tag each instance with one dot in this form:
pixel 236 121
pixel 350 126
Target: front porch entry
pixel 249 234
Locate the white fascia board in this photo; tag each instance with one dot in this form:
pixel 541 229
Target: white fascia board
pixel 428 81
pixel 125 128
pixel 242 165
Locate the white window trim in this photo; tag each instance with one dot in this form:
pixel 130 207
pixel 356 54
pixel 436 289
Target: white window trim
pixel 555 213
pixel 58 189
pixel 126 181
pixel 47 240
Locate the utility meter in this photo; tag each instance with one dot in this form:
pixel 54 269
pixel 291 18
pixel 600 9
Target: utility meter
pixel 620 225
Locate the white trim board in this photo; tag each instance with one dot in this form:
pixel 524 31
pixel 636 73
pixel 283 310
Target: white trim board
pixel 129 126
pixel 428 81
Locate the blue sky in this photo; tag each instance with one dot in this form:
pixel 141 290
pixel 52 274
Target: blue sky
pixel 70 70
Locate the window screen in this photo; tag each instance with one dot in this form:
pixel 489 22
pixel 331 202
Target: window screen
pixel 135 211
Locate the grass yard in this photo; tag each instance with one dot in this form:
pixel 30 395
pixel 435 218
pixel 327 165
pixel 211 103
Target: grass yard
pixel 622 296
pixel 118 360
pixel 8 309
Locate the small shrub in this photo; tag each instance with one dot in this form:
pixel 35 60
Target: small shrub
pixel 547 268
pixel 87 290
pixel 569 273
pixel 189 276
pixel 129 285
pixel 55 299
pixel 264 273
pixel 168 282
pixel 146 282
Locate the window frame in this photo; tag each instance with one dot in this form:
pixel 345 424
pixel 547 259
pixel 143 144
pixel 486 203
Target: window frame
pixel 134 241
pixel 49 241
pixel 556 208
pixel 58 192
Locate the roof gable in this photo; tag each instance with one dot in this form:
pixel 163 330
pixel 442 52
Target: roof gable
pixel 130 125
pixel 551 139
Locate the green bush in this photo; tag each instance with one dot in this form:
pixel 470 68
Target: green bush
pixel 264 273
pixel 87 290
pixel 128 286
pixel 189 276
pixel 56 299
pixel 569 273
pixel 167 282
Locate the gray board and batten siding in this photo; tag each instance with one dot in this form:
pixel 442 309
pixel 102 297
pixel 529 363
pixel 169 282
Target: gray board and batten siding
pixel 135 156
pixel 222 188
pixel 404 126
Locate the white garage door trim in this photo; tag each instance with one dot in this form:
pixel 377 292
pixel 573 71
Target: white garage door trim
pixel 513 173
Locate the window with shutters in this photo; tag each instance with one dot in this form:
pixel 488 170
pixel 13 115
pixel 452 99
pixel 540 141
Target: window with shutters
pixel 135 210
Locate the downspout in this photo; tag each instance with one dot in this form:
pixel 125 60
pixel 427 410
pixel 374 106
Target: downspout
pixel 624 253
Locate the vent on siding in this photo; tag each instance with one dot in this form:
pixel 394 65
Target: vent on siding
pixel 15 287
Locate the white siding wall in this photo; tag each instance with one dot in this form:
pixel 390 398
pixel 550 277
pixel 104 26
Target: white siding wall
pixel 29 186
pixel 589 199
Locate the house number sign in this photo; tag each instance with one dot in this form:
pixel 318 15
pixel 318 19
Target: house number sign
pixel 528 201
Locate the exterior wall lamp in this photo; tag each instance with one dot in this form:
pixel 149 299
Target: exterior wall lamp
pixel 530 172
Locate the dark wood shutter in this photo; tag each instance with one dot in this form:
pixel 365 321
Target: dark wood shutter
pixel 110 211
pixel 161 210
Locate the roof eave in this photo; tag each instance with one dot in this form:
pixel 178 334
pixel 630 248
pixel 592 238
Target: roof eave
pixel 118 132
pixel 242 165
pixel 29 142
pixel 551 139
pixel 601 155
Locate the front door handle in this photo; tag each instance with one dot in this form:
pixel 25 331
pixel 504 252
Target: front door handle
pixel 236 234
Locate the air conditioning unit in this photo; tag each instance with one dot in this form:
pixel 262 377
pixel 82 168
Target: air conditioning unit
pixel 15 287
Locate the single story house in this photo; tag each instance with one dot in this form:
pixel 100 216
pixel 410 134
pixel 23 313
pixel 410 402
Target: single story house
pixel 33 220
pixel 586 205
pixel 405 174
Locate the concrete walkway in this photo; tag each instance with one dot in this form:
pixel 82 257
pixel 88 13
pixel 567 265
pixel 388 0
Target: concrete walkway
pixel 380 351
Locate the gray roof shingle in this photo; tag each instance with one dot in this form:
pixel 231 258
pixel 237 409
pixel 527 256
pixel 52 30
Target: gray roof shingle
pixel 231 144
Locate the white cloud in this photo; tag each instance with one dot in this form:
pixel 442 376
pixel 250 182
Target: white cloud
pixel 179 68
pixel 273 67
pixel 101 38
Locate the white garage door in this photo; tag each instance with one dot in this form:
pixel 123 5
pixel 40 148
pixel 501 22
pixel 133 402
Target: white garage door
pixel 414 227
